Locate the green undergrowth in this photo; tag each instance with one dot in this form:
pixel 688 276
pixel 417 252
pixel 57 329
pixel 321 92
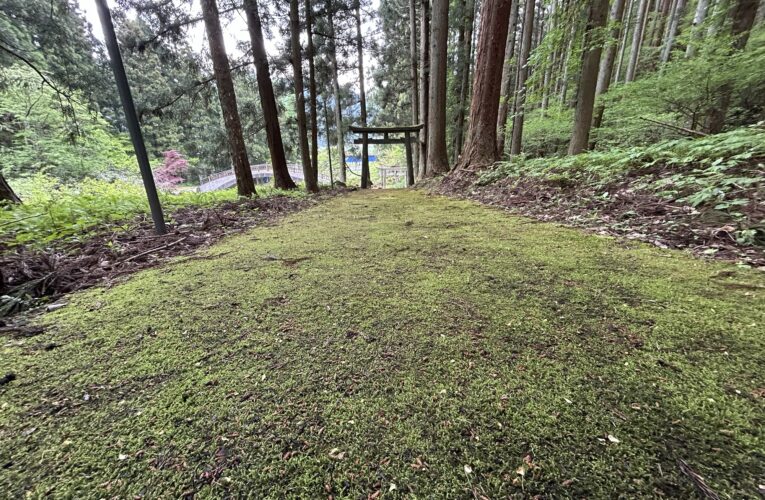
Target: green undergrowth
pixel 53 211
pixel 720 173
pixel 399 343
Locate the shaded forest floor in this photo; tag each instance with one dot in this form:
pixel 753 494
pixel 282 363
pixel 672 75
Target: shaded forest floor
pixel 392 342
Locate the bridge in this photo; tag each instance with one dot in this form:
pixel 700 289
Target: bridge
pixel 261 174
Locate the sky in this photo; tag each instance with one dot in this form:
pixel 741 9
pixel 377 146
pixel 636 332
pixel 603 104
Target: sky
pixel 234 32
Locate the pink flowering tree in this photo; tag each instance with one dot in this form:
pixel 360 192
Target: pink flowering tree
pixel 170 173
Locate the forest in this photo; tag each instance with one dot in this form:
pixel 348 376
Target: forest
pixel 382 248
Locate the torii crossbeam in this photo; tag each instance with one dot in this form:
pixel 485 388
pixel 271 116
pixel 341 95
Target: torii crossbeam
pixel 365 140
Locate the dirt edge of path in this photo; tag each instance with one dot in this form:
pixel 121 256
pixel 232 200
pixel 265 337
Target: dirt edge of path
pixel 33 277
pixel 629 214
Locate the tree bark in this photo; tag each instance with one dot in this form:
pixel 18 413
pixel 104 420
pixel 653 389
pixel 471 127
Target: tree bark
pixel 481 145
pixel 415 98
pixel 743 14
pixel 462 79
pixel 460 60
pixel 607 62
pixel 336 91
pixel 669 39
pixel 6 192
pixel 329 143
pixel 760 14
pixel 282 179
pixel 506 91
pixel 365 180
pixel 424 84
pixel 549 64
pixel 719 15
pixel 567 55
pixel 437 158
pixel 588 78
pixel 662 10
pixel 297 71
pixel 637 41
pixel 698 20
pixel 627 22
pixel 523 72
pixel 312 93
pixel 245 185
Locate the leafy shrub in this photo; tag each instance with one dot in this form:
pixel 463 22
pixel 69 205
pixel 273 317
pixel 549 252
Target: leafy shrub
pixel 53 211
pixel 721 173
pixel 171 172
pixel 546 134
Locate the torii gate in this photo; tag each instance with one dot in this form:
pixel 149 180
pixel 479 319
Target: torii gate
pixel 365 141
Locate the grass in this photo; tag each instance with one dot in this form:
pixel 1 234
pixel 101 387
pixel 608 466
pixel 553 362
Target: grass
pixel 399 343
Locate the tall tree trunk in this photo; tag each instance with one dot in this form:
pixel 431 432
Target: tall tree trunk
pixel 424 84
pixel 760 14
pixel 623 43
pixel 742 14
pixel 588 78
pixel 7 193
pixel 662 11
pixel 566 57
pixel 523 72
pixel 607 62
pixel 245 186
pixel 460 62
pixel 437 158
pixel 719 15
pixel 282 179
pixel 329 142
pixel 462 79
pixel 414 77
pixel 698 20
pixel 338 106
pixel 674 22
pixel 637 41
pixel 549 64
pixel 297 71
pixel 365 180
pixel 481 146
pixel 508 83
pixel 312 92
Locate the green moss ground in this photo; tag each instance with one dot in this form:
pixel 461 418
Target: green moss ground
pixel 384 341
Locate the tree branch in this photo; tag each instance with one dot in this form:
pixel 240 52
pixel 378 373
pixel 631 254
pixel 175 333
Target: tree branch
pixel 185 92
pixel 36 70
pixel 688 131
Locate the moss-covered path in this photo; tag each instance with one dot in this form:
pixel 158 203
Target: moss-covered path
pixel 396 344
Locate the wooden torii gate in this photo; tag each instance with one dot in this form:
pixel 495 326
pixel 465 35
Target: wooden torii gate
pixel 365 141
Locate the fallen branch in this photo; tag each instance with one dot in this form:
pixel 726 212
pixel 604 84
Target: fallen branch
pixel 698 481
pixel 153 250
pixel 688 131
pixel 14 221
